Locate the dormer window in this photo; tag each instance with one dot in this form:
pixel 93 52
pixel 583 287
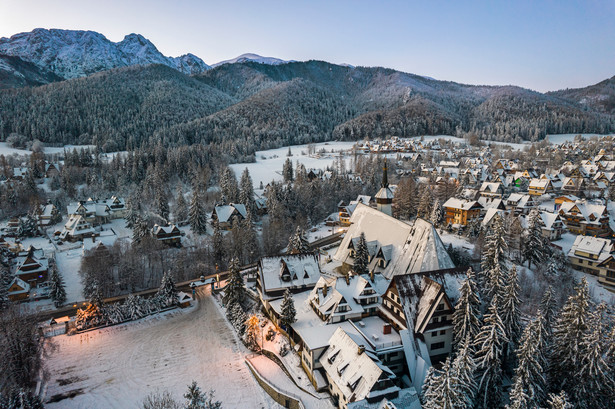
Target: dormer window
pixel 331 359
pixel 440 307
pixel 354 384
pixel 341 370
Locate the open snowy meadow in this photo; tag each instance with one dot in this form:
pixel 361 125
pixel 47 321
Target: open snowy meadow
pixel 116 367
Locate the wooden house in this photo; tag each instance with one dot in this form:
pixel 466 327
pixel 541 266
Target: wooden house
pixel 19 290
pixel 170 235
pixel 461 212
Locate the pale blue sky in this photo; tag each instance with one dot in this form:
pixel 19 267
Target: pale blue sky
pixel 542 45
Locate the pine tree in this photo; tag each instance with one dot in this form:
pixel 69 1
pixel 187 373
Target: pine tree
pixel 552 271
pixel 298 244
pixel 5 281
pixel 251 334
pixel 494 260
pixel 595 385
pixel 162 203
pixel 133 307
pixel 489 345
pixel 217 242
pixel 196 214
pixel 181 207
pixel 559 401
pixel 139 230
pixel 167 293
pixel 56 288
pixel 424 208
pixel 529 385
pixel 534 246
pixel 246 191
pixel 569 332
pixel 229 186
pixel 464 369
pixel 237 317
pixel 444 391
pixel 289 314
pixel 548 309
pixel 287 171
pixel 466 317
pixel 250 239
pixel 509 310
pixel 115 313
pixel 361 259
pixel 436 213
pixel 195 398
pixel 235 289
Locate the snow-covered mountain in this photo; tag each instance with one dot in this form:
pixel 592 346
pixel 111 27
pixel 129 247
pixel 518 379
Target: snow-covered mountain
pixel 75 53
pixel 248 57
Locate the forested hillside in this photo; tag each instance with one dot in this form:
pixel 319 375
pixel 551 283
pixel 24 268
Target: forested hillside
pixel 250 106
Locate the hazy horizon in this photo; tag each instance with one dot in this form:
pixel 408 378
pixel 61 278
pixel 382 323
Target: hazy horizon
pixel 544 46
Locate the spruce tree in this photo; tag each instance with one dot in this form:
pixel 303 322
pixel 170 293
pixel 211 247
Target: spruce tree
pixel 5 281
pixel 139 230
pixel 559 401
pixel 464 368
pixel 436 213
pixel 229 186
pixel 568 333
pixel 195 398
pixel 595 385
pixel 298 244
pixel 196 214
pixel 237 317
pixel 548 309
pixel 287 171
pixel 56 288
pixel 133 307
pixel 529 384
pixel 361 259
pixel 251 334
pixel 509 310
pixel 162 203
pixel 235 289
pixel 167 293
pixel 424 208
pixel 444 391
pixel 489 344
pixel 494 260
pixel 181 207
pixel 534 246
pixel 289 314
pixel 466 317
pixel 246 191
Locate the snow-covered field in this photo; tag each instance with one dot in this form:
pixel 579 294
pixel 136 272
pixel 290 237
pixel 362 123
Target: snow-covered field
pixel 116 367
pixel 7 150
pixel 268 165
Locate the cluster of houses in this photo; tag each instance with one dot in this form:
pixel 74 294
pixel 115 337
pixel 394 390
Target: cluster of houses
pixel 28 268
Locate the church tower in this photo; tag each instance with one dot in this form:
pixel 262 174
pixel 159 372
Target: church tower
pixel 384 197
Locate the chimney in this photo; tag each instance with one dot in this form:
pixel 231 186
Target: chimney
pixel 347 277
pixel 386 329
pixel 371 276
pixel 324 290
pixel 361 349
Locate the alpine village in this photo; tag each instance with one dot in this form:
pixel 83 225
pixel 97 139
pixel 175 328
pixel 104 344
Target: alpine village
pixel 297 234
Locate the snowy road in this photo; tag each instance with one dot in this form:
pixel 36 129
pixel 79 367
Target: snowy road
pixel 117 367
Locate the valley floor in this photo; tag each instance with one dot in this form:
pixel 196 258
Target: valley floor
pixel 117 367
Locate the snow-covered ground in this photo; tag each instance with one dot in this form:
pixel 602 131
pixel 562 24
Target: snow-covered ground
pixel 7 150
pixel 269 163
pixel 116 367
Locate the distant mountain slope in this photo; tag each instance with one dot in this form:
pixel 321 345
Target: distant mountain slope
pixel 250 106
pixel 249 57
pixel 600 97
pixel 74 53
pixel 116 109
pixel 15 73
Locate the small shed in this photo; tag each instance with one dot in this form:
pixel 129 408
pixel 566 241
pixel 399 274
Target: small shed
pixel 184 299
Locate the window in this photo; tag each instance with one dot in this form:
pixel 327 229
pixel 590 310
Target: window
pixel 437 345
pixel 443 332
pixel 440 307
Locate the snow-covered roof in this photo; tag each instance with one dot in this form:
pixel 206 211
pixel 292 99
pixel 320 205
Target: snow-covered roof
pixel 352 370
pixel 25 287
pixel 288 271
pixel 407 398
pixel 595 246
pixel 225 212
pixel 410 248
pixel 462 204
pixel 385 193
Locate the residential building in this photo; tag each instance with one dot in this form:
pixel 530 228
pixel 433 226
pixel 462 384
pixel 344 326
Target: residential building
pixel 170 234
pixel 461 212
pixel 585 218
pixel 539 187
pixel 296 272
pixel 588 253
pixel 226 214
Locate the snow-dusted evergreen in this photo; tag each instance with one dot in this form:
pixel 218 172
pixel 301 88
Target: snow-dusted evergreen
pixel 298 244
pixel 568 334
pixel 548 309
pixel 133 307
pixel 140 230
pixel 464 368
pixel 466 317
pixel 250 337
pixel 167 293
pixel 361 259
pixel 443 391
pixel 5 281
pixel 235 289
pixel 246 191
pixel 289 313
pixel 180 212
pixel 436 213
pixel 559 401
pixel 57 292
pixel 509 310
pixel 534 246
pixel 237 317
pixel 197 214
pixel 529 382
pixel 229 186
pixel 162 203
pixel 489 344
pixel 494 261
